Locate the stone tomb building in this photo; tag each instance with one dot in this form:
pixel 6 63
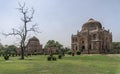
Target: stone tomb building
pixel 34 47
pixel 92 39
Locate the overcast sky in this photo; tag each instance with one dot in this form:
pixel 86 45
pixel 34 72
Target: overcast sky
pixel 59 19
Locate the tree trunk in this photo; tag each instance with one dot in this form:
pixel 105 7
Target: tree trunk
pixel 22 53
pixel 22 32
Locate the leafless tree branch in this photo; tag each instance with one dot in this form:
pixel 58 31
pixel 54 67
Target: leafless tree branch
pixel 23 32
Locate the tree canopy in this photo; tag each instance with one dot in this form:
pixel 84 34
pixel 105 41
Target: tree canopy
pixel 8 49
pixel 52 43
pixel 116 47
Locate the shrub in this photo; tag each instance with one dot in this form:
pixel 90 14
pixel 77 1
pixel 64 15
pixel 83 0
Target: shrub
pixel 50 58
pixel 59 56
pixel 69 52
pixel 54 58
pixel 78 52
pixel 6 57
pixel 6 54
pixel 51 55
pixel 73 54
pixel 63 54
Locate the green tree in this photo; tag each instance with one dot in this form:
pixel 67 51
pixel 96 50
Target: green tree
pixel 50 43
pixel 9 49
pixel 12 49
pixel 53 44
pixel 1 49
pixel 1 52
pixel 116 47
pixel 66 49
pixel 58 45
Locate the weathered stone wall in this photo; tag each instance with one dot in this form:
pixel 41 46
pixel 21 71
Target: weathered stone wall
pixel 92 39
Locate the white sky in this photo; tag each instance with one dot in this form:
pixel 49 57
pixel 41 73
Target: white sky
pixel 59 19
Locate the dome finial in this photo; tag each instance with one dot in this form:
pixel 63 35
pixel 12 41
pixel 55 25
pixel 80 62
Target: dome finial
pixel 90 19
pixel 92 23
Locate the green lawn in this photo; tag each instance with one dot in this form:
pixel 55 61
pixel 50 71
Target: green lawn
pixel 84 64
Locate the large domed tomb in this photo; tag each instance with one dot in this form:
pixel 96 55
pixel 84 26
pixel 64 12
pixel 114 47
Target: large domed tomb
pixel 92 39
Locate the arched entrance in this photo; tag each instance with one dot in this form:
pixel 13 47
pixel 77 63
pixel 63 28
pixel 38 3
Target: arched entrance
pixel 83 47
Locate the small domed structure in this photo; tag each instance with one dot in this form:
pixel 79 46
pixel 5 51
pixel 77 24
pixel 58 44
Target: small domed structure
pixel 33 39
pixel 34 47
pixel 91 24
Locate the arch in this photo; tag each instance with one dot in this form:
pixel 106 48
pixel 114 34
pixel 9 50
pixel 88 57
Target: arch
pixel 76 48
pixel 83 47
pixel 83 42
pixel 90 46
pixel 94 36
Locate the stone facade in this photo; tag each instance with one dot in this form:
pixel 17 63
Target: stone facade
pixel 18 51
pixel 51 50
pixel 34 46
pixel 92 39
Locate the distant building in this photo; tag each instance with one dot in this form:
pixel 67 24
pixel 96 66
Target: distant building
pixel 92 39
pixel 33 47
pixel 51 50
pixel 18 51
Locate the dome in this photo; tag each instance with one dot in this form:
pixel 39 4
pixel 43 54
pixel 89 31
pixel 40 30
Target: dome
pixel 91 23
pixel 33 39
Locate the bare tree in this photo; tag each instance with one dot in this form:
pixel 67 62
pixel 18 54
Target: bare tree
pixel 23 32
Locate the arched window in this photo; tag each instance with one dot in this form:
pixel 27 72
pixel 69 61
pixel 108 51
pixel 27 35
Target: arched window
pixel 94 36
pixel 90 46
pixel 82 42
pixel 83 47
pixel 106 38
pixel 35 50
pixel 76 48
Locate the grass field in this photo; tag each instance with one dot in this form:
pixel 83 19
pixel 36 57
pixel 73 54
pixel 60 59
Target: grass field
pixel 84 64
